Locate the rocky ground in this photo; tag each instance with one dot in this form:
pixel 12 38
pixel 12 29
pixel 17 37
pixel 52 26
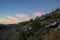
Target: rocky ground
pixel 41 28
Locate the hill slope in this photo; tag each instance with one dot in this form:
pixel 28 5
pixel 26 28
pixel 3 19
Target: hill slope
pixel 46 27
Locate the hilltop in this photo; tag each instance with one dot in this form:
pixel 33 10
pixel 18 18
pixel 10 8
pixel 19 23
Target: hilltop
pixel 46 27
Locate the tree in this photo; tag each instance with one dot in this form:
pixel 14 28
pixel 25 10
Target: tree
pixel 35 25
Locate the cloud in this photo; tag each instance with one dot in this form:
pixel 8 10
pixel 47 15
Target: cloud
pixel 37 14
pixel 13 18
pixel 10 21
pixel 19 18
pixel 5 21
pixel 23 17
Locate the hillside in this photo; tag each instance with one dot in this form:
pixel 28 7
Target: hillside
pixel 46 27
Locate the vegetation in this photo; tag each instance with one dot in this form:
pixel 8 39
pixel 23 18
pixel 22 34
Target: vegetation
pixel 36 24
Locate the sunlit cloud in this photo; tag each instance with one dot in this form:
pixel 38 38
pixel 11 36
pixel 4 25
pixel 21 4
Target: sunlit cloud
pixel 13 18
pixel 5 21
pixel 23 17
pixel 37 14
pixel 18 18
pixel 10 21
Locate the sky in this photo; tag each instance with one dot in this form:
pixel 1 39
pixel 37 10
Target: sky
pixel 14 11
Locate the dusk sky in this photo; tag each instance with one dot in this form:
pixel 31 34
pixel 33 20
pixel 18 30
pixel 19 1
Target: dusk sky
pixel 14 11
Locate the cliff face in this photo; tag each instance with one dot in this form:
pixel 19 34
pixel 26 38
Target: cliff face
pixel 54 34
pixel 49 34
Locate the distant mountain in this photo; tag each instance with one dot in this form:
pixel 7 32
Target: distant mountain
pixel 1 24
